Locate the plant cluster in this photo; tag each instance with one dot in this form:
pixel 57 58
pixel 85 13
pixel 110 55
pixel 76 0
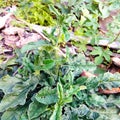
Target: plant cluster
pixel 49 86
pixel 42 84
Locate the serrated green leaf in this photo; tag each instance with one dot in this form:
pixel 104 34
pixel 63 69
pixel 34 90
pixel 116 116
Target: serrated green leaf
pixel 47 96
pixel 60 91
pixel 35 109
pixel 54 10
pixel 97 51
pixel 70 18
pixel 86 13
pixel 81 80
pixel 107 57
pixel 57 113
pixel 69 94
pixel 68 99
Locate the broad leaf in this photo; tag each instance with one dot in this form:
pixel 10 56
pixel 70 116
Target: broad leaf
pixel 82 110
pixel 14 113
pixel 112 113
pixel 35 109
pixel 98 60
pixel 97 100
pixel 24 116
pixel 18 95
pixel 106 56
pixel 7 83
pixel 33 45
pixel 47 96
pixel 48 64
pixel 97 51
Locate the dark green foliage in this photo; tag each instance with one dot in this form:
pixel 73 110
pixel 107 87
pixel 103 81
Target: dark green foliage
pixel 45 85
pixel 54 91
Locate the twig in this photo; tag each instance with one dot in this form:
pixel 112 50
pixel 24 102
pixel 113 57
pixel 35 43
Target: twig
pixel 17 70
pixel 117 36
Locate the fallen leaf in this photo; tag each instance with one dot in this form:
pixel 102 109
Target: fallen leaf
pixel 33 37
pixel 109 91
pixel 3 20
pixel 87 74
pixel 71 49
pixel 104 22
pixel 11 40
pixel 116 61
pixel 13 31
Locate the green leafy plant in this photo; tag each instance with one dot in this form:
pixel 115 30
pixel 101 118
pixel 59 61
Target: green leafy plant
pixel 101 54
pixel 47 84
pixel 42 84
pixel 36 12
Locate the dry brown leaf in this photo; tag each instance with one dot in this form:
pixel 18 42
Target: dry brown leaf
pixel 116 61
pixel 13 31
pixel 11 40
pixel 104 22
pixel 33 37
pixel 109 91
pixel 87 74
pixel 71 49
pixel 4 19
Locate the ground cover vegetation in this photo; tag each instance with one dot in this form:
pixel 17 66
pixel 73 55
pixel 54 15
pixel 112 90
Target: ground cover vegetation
pixel 47 79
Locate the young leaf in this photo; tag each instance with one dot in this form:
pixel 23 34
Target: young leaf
pixel 107 57
pixel 97 51
pixel 57 113
pixel 66 33
pixel 107 54
pixel 24 116
pixel 54 10
pixel 60 91
pixel 48 63
pixel 98 60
